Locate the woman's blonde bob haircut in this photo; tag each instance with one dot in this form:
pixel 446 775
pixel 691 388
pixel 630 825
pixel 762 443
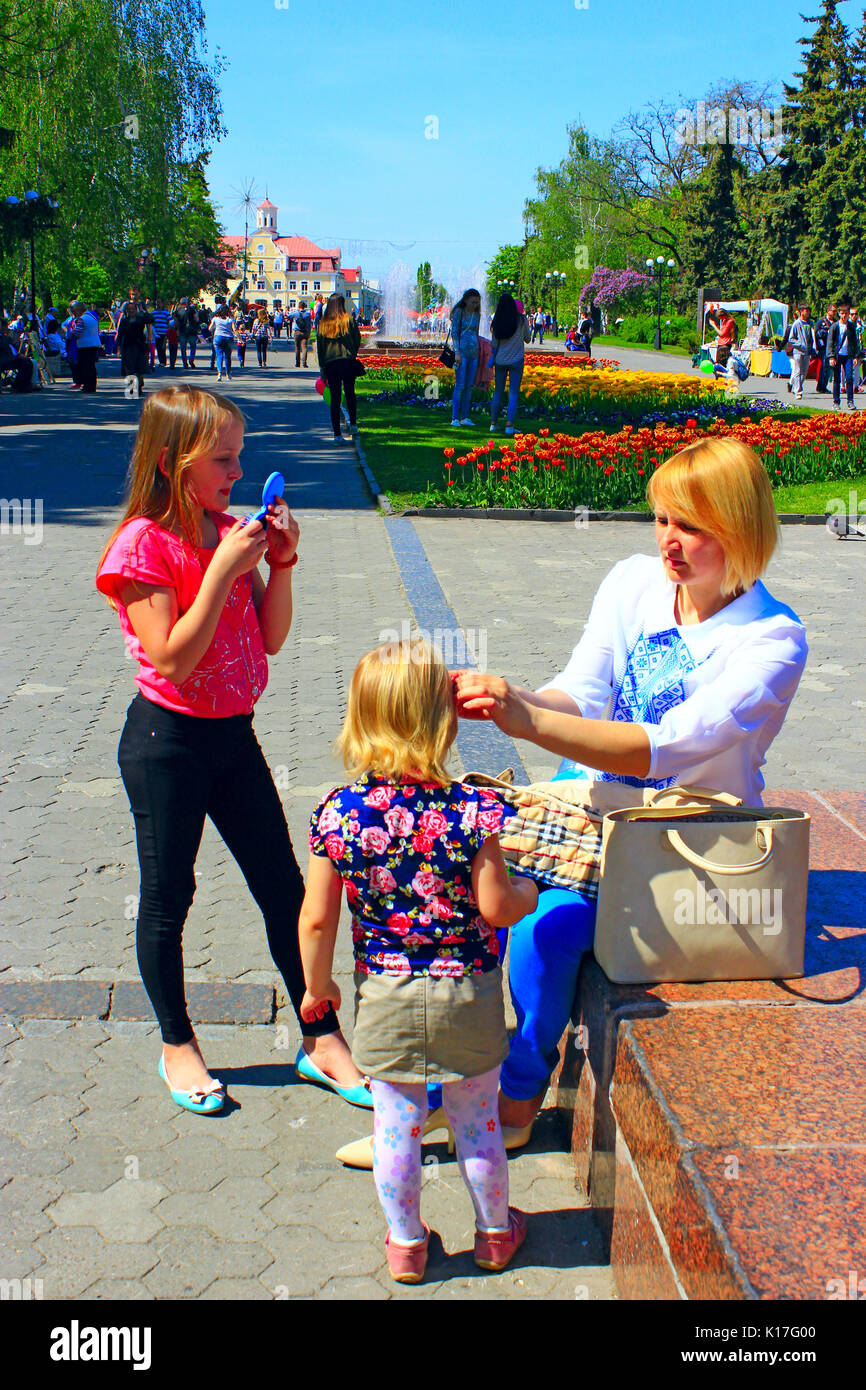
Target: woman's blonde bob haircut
pixel 401 717
pixel 720 486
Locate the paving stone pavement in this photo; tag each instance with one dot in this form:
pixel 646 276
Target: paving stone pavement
pixel 111 1193
pixel 108 1190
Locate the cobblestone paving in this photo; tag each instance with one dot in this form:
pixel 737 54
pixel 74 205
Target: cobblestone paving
pixel 109 1190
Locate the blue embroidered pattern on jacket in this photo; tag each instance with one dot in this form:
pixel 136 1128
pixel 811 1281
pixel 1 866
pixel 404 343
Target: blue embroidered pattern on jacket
pixel 651 684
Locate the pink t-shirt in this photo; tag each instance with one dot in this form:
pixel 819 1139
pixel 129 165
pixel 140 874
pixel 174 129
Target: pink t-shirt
pixel 234 670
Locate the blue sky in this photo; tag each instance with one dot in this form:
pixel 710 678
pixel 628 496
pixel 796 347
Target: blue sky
pixel 329 104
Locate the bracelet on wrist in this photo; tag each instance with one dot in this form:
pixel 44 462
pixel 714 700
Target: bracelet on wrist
pixel 281 564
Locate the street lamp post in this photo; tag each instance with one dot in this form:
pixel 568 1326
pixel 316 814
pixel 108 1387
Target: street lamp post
pixel 554 278
pixel 36 209
pixel 657 268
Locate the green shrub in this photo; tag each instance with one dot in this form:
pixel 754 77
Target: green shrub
pixel 678 330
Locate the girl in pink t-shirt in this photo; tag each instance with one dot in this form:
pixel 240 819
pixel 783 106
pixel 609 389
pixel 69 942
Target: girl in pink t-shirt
pixel 200 621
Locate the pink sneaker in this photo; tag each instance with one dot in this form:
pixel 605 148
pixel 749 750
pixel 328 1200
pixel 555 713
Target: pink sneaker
pixel 407 1263
pixel 495 1249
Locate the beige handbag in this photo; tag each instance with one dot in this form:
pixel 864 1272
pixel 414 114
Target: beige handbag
pixel 712 892
pixel 556 832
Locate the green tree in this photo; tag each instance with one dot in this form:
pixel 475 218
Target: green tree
pixel 507 264
pixel 112 102
pixel 427 290
pixel 712 246
pixel 800 208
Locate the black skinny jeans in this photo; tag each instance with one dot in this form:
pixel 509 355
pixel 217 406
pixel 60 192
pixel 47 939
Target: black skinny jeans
pixel 262 351
pixel 341 373
pixel 177 769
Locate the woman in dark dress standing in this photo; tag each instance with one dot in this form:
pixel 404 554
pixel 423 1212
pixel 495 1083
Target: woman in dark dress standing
pixel 132 341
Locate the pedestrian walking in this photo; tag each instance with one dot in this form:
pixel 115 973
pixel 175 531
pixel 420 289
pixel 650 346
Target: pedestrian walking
pixel 538 325
pixel 85 331
pixel 186 317
pixel 585 330
pixel 860 365
pixel 161 325
pixel 303 329
pixel 241 338
pixel 509 333
pixel 278 321
pixel 801 336
pixel 822 333
pixel 223 331
pixel 261 335
pixel 132 342
pixel 465 323
pixel 337 343
pixel 842 353
pixel 71 349
pixel 429 1005
pixel 199 619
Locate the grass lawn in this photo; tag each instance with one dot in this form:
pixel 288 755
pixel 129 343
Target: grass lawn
pixel 403 446
pixel 610 340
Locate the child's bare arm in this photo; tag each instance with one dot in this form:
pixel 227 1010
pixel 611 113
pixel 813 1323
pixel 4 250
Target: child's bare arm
pixel 317 934
pixel 502 900
pixel 175 645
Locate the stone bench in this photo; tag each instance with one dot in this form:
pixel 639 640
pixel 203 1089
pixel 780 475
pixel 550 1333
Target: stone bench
pixel 719 1130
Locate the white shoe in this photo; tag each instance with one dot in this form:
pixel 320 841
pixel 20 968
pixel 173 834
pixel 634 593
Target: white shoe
pixel 798 395
pixel 467 421
pixel 493 427
pixel 509 429
pixel 455 424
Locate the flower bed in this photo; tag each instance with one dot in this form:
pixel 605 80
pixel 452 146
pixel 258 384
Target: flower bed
pixel 606 472
pixel 561 388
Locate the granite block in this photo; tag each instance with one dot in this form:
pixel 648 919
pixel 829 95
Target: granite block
pixel 55 998
pixel 764 1077
pixel 207 1002
pixel 641 1265
pixel 796 1218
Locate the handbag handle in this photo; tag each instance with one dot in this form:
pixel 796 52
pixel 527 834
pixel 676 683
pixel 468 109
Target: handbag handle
pixel 693 794
pixel 677 842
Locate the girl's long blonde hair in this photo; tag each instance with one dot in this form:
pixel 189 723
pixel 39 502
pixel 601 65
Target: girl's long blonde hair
pixel 401 716
pixel 334 321
pixel 186 423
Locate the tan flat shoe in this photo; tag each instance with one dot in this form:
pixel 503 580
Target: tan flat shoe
pixel 359 1153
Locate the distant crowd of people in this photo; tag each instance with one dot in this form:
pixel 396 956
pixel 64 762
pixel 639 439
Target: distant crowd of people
pixel 835 341
pixel 147 334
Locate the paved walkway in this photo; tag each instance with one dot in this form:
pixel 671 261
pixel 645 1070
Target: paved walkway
pixel 108 1190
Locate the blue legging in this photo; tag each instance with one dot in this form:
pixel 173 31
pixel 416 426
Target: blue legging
pixel 546 950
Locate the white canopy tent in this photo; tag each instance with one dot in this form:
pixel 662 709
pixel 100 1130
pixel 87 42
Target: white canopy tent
pixel 766 317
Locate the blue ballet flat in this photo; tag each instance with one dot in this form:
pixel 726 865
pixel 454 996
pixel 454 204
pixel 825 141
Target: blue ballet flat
pixel 199 1102
pixel 308 1071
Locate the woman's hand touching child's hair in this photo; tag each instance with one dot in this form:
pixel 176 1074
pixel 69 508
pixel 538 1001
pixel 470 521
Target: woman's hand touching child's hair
pixel 480 696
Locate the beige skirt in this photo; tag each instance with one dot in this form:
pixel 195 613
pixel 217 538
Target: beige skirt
pixel 429 1030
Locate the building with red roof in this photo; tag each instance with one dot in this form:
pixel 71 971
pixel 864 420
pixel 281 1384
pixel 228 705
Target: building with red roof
pixel 283 270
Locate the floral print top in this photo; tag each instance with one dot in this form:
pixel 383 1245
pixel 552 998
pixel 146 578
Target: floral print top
pixel 404 850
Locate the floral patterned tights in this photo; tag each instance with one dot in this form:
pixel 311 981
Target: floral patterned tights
pixel 399 1115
